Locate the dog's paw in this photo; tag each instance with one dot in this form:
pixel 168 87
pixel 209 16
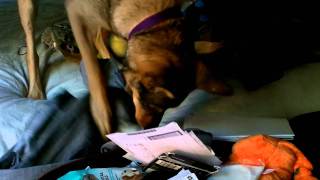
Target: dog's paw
pixel 36 92
pixel 217 87
pixel 221 88
pixel 36 95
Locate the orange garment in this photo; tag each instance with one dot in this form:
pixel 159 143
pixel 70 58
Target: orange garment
pixel 284 158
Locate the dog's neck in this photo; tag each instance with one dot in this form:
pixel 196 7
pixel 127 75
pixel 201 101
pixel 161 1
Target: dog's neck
pixel 155 19
pixel 166 36
pixel 128 14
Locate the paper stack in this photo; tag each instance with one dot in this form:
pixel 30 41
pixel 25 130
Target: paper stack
pixel 146 145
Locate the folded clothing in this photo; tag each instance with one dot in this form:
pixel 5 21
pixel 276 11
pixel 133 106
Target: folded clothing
pixel 282 158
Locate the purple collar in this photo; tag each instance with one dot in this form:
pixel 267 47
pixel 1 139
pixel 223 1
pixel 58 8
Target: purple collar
pixel 152 20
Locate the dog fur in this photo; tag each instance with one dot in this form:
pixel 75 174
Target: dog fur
pixel 156 74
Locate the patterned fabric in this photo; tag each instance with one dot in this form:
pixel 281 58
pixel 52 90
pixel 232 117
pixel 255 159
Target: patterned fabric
pixel 61 132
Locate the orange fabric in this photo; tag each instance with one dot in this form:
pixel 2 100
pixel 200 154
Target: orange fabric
pixel 281 156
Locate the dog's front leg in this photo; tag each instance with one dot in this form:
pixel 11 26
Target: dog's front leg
pixel 27 12
pixel 85 32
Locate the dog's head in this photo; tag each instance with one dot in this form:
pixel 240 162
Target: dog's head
pixel 162 69
pixel 150 97
pixel 156 74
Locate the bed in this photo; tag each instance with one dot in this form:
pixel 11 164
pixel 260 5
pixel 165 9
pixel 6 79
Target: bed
pixel 22 119
pixel 16 111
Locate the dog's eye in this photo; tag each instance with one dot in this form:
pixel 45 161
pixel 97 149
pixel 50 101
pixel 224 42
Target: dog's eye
pixel 155 102
pixel 141 88
pixel 155 108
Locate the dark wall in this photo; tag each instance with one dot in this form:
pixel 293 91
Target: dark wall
pixel 261 39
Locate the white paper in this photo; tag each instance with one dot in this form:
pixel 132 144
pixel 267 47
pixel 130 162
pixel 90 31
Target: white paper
pixel 147 145
pixel 184 174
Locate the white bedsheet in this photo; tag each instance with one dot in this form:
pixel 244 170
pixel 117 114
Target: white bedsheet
pixel 58 75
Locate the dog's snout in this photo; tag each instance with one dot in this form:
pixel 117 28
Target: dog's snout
pixel 144 120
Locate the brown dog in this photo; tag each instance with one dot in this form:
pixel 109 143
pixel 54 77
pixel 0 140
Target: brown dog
pixel 157 71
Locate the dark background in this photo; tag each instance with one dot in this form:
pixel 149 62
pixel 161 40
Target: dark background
pixel 261 39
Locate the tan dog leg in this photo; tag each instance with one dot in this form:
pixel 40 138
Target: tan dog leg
pixel 85 33
pixel 27 11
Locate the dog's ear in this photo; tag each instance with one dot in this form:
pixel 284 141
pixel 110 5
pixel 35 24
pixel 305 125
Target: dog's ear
pixel 135 81
pixel 206 80
pixel 206 47
pixel 160 91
